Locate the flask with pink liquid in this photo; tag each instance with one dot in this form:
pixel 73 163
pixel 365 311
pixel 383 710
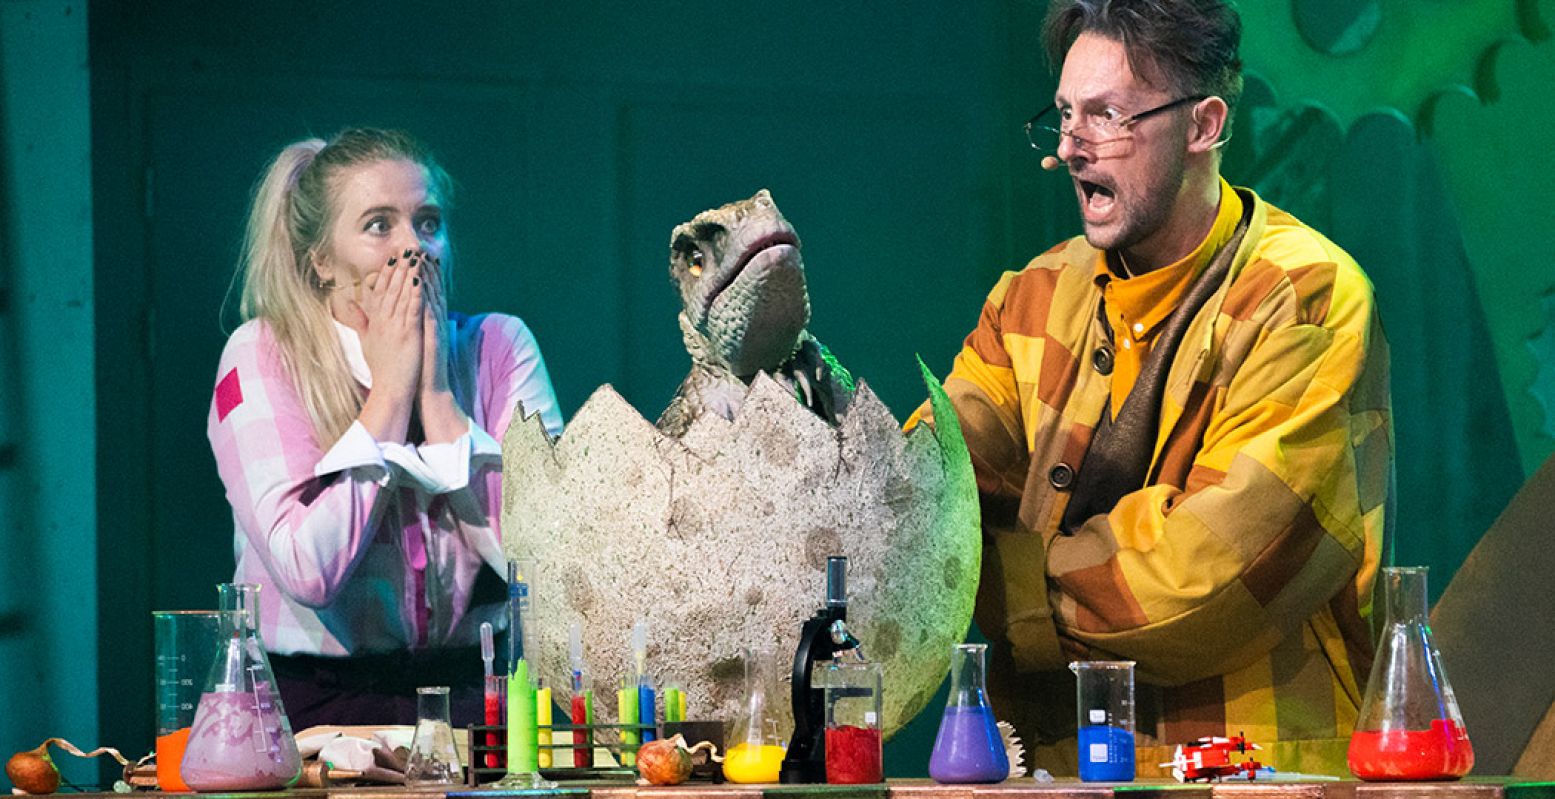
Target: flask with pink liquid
pixel 240 740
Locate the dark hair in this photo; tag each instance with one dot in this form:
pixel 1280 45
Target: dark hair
pixel 1191 44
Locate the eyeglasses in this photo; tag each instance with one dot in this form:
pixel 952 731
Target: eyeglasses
pixel 1101 129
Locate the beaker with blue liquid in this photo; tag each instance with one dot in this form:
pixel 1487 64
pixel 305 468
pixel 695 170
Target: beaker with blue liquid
pixel 1106 706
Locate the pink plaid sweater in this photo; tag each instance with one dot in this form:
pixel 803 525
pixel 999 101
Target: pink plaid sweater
pixel 364 546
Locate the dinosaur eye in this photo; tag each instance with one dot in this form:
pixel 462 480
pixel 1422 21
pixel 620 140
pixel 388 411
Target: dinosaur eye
pixel 695 261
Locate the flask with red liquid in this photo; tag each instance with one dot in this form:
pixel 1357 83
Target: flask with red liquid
pixel 1410 727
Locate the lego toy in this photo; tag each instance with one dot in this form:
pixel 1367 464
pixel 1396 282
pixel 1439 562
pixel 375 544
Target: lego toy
pixel 1209 759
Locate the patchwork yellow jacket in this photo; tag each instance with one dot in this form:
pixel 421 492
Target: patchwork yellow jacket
pixel 1239 575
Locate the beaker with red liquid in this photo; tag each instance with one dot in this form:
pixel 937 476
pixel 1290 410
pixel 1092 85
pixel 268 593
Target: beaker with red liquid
pixel 1409 727
pixel 853 720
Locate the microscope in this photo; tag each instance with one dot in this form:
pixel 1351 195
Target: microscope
pixel 824 636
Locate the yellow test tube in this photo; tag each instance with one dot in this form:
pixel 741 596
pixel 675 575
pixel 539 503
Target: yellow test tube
pixel 543 725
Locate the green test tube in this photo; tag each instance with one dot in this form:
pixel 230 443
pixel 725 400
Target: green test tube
pixel 674 704
pixel 523 740
pixel 626 703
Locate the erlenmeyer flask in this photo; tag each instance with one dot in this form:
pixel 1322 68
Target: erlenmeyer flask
pixel 1409 727
pixel 433 758
pixel 755 756
pixel 968 747
pixel 240 739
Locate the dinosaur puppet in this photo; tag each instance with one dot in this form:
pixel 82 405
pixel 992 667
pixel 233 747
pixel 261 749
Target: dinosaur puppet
pixel 744 308
pixel 715 525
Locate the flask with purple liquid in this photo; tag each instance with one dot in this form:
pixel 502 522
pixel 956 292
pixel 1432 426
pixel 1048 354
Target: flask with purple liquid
pixel 968 747
pixel 241 739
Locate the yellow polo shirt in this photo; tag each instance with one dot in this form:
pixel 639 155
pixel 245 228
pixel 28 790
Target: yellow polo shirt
pixel 1137 307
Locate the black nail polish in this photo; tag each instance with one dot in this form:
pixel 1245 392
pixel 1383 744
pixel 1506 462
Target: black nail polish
pixel 392 261
pixel 407 253
pixel 415 281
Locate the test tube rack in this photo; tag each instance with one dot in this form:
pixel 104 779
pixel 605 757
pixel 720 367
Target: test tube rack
pixel 487 739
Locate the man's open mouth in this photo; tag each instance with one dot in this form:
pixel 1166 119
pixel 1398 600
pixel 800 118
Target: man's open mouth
pixel 1096 199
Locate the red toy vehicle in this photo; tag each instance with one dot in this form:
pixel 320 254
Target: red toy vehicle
pixel 1210 759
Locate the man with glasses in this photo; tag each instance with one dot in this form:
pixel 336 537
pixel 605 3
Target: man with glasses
pixel 1179 421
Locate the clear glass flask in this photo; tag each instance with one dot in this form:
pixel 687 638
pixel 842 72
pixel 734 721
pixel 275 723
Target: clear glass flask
pixel 968 747
pixel 853 739
pixel 1410 727
pixel 755 755
pixel 241 739
pixel 433 759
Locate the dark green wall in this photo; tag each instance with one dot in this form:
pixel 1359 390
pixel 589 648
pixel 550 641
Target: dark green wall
pixel 579 133
pixel 578 136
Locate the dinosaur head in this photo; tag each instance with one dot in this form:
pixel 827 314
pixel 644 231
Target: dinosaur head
pixel 742 288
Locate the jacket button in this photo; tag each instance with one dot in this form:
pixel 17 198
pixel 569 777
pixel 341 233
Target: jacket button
pixel 1061 476
pixel 1102 360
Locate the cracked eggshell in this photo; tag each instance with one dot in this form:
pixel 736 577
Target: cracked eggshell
pixel 719 539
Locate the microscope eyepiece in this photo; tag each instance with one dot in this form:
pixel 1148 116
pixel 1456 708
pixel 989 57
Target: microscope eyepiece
pixel 836 582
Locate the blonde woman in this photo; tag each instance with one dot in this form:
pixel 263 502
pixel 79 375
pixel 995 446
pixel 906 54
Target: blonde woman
pixel 355 423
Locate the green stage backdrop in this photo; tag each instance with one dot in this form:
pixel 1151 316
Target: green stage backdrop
pixel 579 133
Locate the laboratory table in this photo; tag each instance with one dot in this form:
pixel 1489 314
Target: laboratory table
pixel 1471 788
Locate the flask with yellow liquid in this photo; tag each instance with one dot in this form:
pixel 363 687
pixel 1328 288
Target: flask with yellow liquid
pixel 756 756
